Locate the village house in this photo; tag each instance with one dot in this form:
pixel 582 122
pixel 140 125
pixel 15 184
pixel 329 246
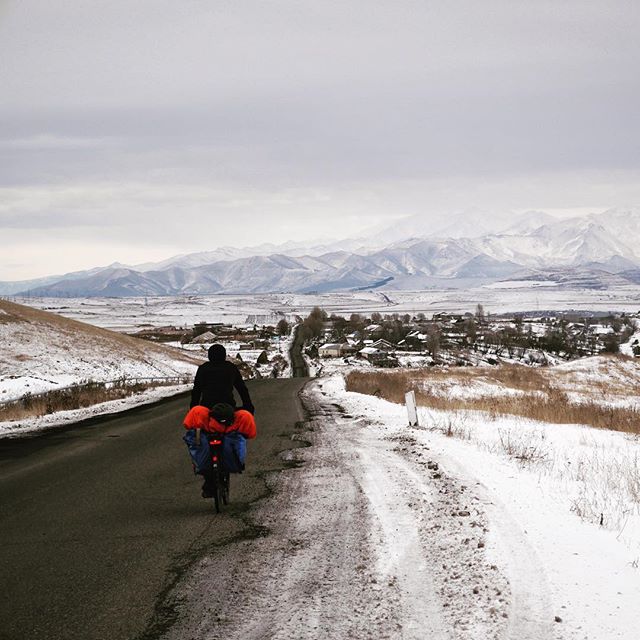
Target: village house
pixel 204 338
pixel 373 331
pixel 416 339
pixel 335 350
pixel 378 357
pixel 372 354
pixel 383 345
pixel 449 318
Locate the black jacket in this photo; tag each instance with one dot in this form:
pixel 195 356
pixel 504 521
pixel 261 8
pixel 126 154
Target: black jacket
pixel 214 383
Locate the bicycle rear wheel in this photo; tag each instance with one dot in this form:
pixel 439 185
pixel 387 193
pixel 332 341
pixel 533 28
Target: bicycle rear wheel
pixel 224 487
pixel 217 494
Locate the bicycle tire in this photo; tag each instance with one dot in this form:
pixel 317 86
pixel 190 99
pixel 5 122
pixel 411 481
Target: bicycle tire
pixel 225 487
pixel 216 495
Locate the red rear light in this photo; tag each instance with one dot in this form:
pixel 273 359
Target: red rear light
pixel 215 458
pixel 214 443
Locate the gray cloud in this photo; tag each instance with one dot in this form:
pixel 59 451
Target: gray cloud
pixel 122 114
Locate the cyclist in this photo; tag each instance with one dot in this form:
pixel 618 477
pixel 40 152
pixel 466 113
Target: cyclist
pixel 215 381
pixel 222 418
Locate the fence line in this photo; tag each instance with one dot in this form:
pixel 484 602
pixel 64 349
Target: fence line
pixel 185 379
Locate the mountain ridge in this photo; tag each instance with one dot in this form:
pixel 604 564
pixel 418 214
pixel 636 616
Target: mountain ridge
pixel 535 242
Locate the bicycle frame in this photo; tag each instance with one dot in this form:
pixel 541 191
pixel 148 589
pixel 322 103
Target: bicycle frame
pixel 220 477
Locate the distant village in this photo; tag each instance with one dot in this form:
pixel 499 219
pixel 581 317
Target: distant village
pixel 395 340
pixel 471 338
pixel 259 350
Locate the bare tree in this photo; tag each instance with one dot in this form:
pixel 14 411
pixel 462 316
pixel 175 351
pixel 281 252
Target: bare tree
pixel 433 340
pixel 314 322
pixel 471 331
pixel 283 328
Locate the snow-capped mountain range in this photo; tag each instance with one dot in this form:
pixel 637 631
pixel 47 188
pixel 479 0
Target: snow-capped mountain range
pixel 597 250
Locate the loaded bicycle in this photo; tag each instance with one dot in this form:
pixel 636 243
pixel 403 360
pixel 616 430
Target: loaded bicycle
pixel 216 439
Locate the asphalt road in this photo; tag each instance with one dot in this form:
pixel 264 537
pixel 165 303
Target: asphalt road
pixel 298 364
pixel 98 522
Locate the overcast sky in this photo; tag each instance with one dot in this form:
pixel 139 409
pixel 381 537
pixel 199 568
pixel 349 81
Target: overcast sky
pixel 133 130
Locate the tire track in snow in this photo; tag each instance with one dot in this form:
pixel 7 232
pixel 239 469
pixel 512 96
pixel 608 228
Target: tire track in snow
pixel 401 558
pixel 530 611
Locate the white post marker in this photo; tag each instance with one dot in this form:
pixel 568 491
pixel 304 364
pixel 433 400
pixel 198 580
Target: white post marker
pixel 410 399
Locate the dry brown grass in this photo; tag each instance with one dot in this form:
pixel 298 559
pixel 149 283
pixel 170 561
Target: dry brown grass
pixel 75 397
pixel 5 316
pixel 517 377
pixel 539 398
pixel 513 376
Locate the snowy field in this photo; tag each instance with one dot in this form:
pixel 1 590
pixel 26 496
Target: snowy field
pixel 557 507
pixel 608 381
pixel 130 314
pixel 43 352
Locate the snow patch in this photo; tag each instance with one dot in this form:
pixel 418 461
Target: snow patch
pixel 546 488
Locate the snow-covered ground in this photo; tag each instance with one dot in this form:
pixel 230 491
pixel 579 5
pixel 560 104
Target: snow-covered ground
pixel 557 510
pixel 130 314
pixel 603 380
pixel 42 352
pixel 627 347
pixel 520 284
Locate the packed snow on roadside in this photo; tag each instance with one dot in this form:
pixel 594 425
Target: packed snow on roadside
pixel 561 502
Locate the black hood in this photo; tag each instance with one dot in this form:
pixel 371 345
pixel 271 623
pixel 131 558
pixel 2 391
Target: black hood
pixel 217 353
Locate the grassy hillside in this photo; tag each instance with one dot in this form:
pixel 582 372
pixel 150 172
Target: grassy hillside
pixel 41 351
